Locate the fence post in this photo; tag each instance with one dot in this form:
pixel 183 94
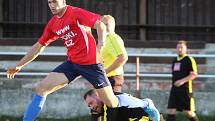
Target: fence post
pixel 138 77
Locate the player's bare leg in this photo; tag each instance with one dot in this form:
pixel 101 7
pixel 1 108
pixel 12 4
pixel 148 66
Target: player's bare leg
pixel 51 83
pixel 171 114
pixel 171 111
pixel 107 96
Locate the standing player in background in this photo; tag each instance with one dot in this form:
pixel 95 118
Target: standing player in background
pixel 114 56
pixel 69 23
pixel 184 71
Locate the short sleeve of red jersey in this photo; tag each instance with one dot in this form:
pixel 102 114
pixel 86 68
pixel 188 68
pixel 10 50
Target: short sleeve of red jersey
pixel 47 37
pixel 85 17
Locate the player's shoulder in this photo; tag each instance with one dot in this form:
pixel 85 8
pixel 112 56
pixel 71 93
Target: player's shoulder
pixel 114 35
pixel 76 11
pixel 51 21
pixel 74 8
pixel 190 58
pixel 115 38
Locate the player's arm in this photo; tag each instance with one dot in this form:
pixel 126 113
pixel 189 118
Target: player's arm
pixel 101 32
pixel 92 20
pixel 33 52
pixel 146 104
pixel 191 76
pixel 121 60
pixel 118 50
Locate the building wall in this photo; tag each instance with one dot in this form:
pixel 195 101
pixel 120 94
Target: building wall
pixel 142 20
pixel 181 19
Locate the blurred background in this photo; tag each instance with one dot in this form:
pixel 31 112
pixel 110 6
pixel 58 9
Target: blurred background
pixel 150 30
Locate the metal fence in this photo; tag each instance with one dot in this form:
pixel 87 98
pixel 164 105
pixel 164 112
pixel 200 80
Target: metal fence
pixel 136 75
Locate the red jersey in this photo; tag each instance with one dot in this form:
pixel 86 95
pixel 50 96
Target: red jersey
pixel 71 27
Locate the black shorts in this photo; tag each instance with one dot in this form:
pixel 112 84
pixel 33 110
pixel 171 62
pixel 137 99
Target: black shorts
pixel 181 100
pixel 94 73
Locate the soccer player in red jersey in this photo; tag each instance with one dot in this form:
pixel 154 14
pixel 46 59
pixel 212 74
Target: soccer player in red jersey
pixel 70 24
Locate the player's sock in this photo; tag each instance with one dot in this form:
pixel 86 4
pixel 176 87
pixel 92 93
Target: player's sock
pixel 34 108
pixel 171 117
pixel 195 118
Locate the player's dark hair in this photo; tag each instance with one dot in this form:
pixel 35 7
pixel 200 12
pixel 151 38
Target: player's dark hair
pixel 182 42
pixel 90 92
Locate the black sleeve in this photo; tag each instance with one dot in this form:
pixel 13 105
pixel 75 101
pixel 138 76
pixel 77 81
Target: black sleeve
pixel 112 114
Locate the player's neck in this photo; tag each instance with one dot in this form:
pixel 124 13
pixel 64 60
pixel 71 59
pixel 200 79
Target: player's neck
pixel 62 12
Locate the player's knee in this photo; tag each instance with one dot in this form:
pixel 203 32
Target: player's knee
pixel 41 89
pixel 171 111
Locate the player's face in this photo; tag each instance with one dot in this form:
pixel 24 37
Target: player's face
pixel 181 49
pixel 56 6
pixel 109 24
pixel 94 103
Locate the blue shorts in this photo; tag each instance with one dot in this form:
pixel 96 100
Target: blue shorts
pixel 94 73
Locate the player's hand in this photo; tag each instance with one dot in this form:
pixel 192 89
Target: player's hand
pixel 99 46
pixel 11 72
pixel 178 83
